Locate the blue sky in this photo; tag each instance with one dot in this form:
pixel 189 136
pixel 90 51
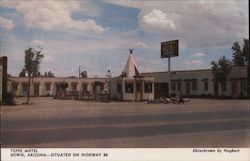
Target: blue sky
pixel 97 35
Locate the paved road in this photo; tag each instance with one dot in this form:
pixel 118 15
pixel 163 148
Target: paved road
pixel 91 130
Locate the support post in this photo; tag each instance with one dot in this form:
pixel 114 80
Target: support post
pixel 169 72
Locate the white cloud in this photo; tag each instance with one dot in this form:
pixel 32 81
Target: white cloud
pixel 158 19
pixel 198 23
pixel 199 55
pixel 192 62
pixel 89 25
pixel 38 42
pixel 53 15
pixel 142 45
pixel 6 23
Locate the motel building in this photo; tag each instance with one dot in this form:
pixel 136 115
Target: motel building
pixel 200 83
pixel 48 86
pixel 1 77
pixel 134 86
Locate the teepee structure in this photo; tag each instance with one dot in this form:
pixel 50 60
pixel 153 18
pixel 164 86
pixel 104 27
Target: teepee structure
pixel 131 69
pixel 130 85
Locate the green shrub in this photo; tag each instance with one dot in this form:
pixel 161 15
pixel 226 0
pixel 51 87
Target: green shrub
pixel 8 99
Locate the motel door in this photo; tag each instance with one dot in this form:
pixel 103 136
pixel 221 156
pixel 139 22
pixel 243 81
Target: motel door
pixel 234 88
pixel 36 89
pixel 187 88
pixel 138 93
pixel 98 87
pixel 216 86
pixel 161 90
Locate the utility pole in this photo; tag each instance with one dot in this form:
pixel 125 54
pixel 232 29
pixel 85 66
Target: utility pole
pixel 79 71
pixel 109 77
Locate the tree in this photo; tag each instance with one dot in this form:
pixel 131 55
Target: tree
pixel 247 59
pixel 22 73
pixel 221 70
pixel 63 85
pixel 50 74
pixel 241 54
pixel 32 62
pixel 84 74
pixel 245 51
pixel 241 58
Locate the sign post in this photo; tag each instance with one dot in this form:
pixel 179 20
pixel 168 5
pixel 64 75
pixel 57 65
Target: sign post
pixel 169 49
pixel 169 72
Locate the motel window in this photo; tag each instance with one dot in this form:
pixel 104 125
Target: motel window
pixel 148 87
pixel 74 86
pixel 205 85
pixel 243 85
pixel 14 86
pixel 25 87
pixel 84 87
pixel 194 84
pixel 47 86
pixel 119 87
pixel 129 88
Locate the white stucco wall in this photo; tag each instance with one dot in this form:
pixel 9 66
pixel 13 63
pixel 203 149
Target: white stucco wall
pixel 199 75
pixel 53 81
pixel 131 96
